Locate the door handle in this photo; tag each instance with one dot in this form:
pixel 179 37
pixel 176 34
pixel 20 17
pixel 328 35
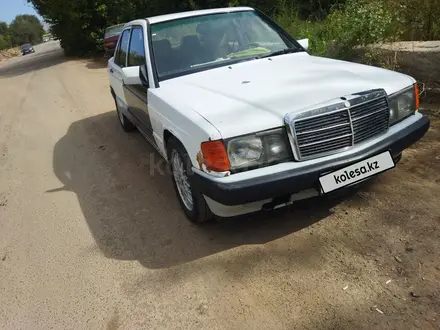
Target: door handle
pixel 111 70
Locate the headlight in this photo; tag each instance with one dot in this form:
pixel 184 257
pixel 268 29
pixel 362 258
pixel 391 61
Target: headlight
pixel 403 104
pixel 258 149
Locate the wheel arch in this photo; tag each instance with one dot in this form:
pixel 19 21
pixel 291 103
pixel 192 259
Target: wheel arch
pixel 167 136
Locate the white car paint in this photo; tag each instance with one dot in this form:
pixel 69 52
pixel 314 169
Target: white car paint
pixel 304 43
pixel 116 77
pixel 166 114
pixel 266 90
pixel 131 75
pixel 188 126
pixel 288 166
pixel 248 97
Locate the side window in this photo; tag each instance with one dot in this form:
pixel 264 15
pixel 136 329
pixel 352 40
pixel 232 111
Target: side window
pixel 136 53
pixel 121 52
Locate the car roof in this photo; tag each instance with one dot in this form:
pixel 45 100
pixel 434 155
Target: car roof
pixel 192 13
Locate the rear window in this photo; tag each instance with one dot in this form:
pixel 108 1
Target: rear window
pixel 113 30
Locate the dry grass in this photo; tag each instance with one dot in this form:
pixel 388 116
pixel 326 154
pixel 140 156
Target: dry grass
pixel 8 53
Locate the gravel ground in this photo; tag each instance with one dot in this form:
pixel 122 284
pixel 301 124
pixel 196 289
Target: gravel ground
pixel 92 236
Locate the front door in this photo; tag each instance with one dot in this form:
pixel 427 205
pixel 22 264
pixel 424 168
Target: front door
pixel 135 93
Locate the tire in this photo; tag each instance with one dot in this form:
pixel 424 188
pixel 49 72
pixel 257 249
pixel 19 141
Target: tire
pixel 199 213
pixel 126 124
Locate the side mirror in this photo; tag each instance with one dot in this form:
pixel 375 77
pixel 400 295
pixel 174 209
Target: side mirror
pixel 143 75
pixel 131 75
pixel 304 43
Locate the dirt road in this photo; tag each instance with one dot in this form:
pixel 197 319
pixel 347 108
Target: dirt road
pixel 92 236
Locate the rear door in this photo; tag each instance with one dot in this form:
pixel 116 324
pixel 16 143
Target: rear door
pixel 135 92
pixel 115 67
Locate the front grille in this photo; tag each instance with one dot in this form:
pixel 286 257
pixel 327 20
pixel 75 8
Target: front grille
pixel 370 119
pixel 366 116
pixel 324 133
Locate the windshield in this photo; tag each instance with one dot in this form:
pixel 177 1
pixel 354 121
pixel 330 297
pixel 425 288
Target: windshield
pixel 26 46
pixel 188 45
pixel 113 31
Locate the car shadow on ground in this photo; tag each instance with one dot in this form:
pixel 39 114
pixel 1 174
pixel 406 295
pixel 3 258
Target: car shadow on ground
pixel 97 62
pixel 32 62
pixel 129 204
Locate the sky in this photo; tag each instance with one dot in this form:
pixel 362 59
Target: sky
pixel 11 8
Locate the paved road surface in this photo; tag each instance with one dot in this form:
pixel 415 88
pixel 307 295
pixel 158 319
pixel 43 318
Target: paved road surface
pixel 92 236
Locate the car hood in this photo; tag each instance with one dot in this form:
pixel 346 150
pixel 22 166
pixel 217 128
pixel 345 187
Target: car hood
pixel 256 95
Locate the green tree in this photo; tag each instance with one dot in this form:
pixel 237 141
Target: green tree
pixel 26 29
pixel 5 39
pixel 4 28
pixel 3 43
pixel 80 24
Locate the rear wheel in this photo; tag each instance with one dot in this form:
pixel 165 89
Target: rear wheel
pixel 126 124
pixel 191 200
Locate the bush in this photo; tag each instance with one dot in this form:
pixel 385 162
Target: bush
pixel 420 19
pixel 3 42
pixel 334 27
pixel 289 19
pixel 358 23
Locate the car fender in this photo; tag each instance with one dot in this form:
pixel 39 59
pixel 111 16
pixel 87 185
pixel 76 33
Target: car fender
pixel 182 122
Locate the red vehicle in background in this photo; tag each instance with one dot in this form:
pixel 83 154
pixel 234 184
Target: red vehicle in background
pixel 111 37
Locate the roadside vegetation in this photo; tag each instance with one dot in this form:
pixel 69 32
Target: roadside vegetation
pixel 23 29
pixel 336 28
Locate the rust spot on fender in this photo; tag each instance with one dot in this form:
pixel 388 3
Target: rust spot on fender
pixel 200 160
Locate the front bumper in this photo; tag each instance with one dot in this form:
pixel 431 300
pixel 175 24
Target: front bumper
pixel 280 184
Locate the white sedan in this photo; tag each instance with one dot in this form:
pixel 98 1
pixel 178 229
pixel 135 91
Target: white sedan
pixel 249 120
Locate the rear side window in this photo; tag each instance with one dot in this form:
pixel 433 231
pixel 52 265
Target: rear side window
pixel 121 52
pixel 136 53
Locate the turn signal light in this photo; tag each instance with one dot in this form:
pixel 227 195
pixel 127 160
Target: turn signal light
pixel 417 95
pixel 215 156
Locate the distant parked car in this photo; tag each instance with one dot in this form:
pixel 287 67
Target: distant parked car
pixel 111 37
pixel 27 49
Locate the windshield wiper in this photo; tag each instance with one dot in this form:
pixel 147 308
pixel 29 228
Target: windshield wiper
pixel 281 52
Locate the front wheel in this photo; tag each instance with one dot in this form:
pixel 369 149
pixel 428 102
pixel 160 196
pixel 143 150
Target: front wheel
pixel 191 200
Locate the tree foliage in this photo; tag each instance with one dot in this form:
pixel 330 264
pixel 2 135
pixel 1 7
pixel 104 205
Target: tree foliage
pixel 3 42
pixel 80 24
pixel 26 29
pixel 4 28
pixel 5 39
